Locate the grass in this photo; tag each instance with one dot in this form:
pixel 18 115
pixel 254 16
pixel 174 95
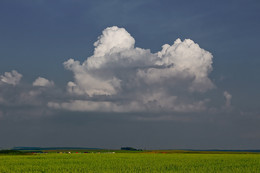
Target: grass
pixel 130 162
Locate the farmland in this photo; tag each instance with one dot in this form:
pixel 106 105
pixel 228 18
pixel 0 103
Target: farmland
pixel 131 162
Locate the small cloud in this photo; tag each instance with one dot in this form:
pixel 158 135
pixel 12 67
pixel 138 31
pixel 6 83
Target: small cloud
pixel 228 98
pixel 11 78
pixel 1 114
pixel 40 81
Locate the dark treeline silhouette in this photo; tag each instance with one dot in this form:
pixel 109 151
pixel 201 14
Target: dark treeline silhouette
pixel 130 149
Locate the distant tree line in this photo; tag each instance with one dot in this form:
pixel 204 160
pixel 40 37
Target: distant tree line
pixel 14 152
pixel 130 149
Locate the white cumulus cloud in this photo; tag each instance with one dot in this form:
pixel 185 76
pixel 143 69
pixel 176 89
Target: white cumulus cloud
pixel 40 81
pixel 120 77
pixel 11 78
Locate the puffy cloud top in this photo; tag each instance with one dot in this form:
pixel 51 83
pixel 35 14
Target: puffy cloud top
pixel 12 78
pixel 184 60
pixel 40 81
pixel 112 40
pixel 129 78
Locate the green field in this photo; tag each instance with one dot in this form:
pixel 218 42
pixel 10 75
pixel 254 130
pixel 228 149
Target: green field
pixel 130 162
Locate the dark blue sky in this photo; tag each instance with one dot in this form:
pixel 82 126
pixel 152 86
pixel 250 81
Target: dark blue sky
pixel 38 36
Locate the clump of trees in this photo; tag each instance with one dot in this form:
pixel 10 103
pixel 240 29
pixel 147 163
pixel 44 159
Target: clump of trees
pixel 12 152
pixel 130 149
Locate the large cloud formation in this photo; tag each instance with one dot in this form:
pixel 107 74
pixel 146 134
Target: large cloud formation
pixel 120 77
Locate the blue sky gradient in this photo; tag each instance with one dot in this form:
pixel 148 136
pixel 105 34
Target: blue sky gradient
pixel 38 36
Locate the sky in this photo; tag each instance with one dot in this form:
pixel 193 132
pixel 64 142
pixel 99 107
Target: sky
pixel 147 74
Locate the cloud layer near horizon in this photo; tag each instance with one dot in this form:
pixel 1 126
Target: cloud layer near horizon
pixel 120 77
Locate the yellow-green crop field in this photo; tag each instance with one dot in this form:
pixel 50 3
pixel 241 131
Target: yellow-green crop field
pixel 130 162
